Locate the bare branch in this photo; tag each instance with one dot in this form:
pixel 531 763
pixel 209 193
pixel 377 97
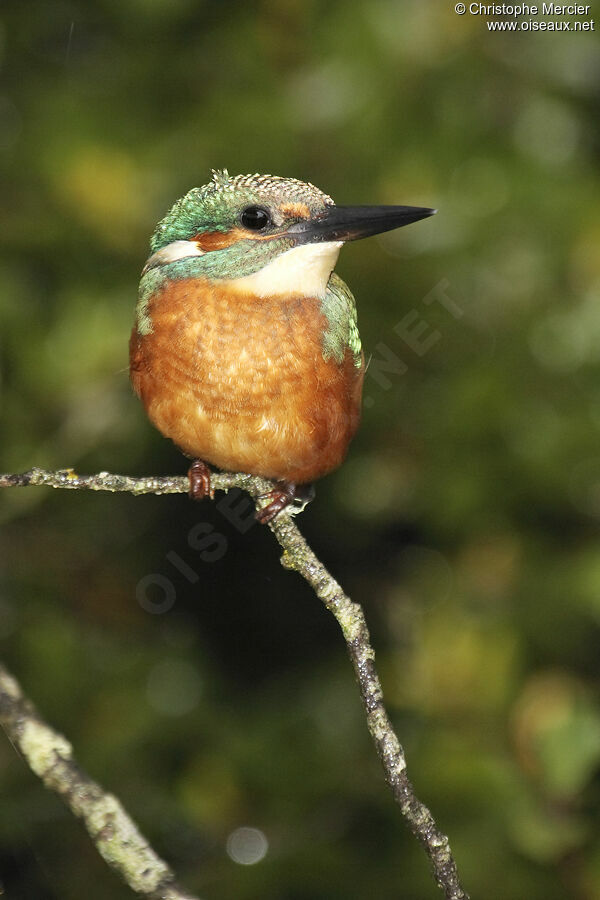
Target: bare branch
pixel 115 835
pixel 298 556
pixel 104 481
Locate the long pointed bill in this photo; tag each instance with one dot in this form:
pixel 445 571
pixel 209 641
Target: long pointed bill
pixel 349 223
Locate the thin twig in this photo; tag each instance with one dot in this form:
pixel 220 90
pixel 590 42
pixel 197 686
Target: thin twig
pixel 115 835
pixel 298 556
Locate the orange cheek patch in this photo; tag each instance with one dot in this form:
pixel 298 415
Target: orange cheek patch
pixel 296 209
pixel 219 240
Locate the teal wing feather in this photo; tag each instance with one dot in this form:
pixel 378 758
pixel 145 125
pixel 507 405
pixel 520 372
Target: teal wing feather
pixel 339 309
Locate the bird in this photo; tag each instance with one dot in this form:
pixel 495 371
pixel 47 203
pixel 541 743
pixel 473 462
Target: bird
pixel 245 349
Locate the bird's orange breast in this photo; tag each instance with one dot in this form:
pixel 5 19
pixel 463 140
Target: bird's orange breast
pixel 240 381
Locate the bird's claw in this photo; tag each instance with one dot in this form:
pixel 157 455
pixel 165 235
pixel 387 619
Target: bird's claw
pixel 199 476
pixel 281 497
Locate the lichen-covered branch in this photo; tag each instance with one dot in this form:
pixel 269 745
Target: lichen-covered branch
pixel 169 484
pixel 115 835
pixel 298 556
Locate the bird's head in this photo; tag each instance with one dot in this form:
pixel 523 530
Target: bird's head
pixel 263 233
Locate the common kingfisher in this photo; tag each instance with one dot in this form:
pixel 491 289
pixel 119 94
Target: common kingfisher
pixel 245 349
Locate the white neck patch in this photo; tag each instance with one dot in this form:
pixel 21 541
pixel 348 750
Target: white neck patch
pixel 303 270
pixel 172 252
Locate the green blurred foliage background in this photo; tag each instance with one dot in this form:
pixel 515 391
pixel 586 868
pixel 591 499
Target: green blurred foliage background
pixel 465 519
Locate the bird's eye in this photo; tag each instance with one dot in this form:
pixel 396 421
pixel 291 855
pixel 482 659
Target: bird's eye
pixel 256 218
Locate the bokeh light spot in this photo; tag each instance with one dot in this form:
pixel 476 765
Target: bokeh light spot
pixel 247 846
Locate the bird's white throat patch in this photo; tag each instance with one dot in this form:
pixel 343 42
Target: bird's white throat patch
pixel 303 270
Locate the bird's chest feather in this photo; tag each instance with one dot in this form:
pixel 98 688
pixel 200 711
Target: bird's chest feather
pixel 228 376
pixel 237 351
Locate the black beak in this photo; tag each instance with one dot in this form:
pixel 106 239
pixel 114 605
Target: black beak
pixel 349 223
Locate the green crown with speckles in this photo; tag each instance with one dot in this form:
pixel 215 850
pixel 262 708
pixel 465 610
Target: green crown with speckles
pixel 216 206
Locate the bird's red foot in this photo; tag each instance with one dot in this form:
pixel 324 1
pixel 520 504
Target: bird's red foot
pixel 281 496
pixel 199 475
